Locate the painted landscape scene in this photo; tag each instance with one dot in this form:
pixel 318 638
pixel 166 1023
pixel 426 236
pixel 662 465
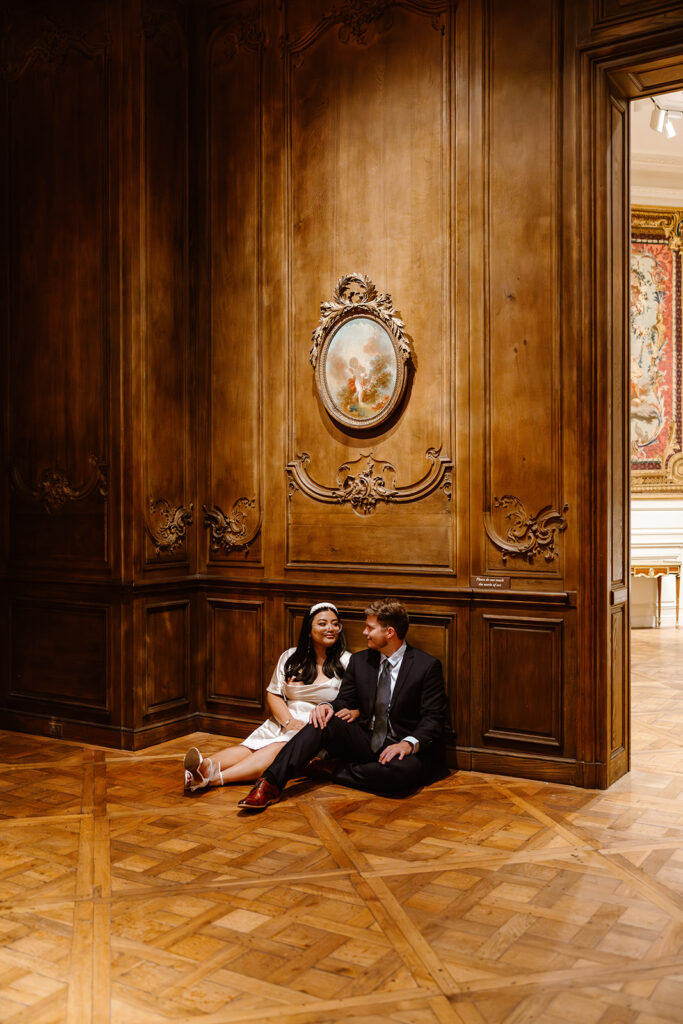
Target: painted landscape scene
pixel 361 368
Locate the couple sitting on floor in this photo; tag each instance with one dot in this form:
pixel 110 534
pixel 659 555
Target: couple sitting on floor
pixel 379 714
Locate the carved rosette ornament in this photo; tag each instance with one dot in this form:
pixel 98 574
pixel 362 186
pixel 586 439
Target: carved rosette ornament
pixel 366 481
pixel 169 528
pixel 231 532
pixel 527 536
pixel 55 489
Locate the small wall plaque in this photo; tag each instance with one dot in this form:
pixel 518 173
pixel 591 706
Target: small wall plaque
pixel 490 582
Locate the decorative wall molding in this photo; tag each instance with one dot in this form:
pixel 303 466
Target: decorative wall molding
pixel 356 18
pixel 527 536
pixel 50 46
pixel 169 530
pixel 156 19
pixel 365 481
pixel 666 223
pixel 240 33
pixel 354 295
pixel 231 532
pixel 55 488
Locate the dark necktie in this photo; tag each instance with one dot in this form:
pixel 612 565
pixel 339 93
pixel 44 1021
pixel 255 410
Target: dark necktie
pixel 379 729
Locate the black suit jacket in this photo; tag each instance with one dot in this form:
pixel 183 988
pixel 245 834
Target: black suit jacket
pixel 418 703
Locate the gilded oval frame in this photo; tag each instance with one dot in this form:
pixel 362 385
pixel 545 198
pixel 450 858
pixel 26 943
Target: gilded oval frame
pixel 360 355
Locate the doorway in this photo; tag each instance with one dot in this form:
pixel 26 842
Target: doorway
pixel 656 434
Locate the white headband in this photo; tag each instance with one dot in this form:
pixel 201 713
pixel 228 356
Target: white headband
pixel 323 604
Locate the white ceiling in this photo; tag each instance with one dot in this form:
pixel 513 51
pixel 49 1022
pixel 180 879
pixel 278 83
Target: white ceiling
pixel 656 161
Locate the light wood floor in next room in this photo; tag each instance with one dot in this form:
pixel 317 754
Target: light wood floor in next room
pixel 482 900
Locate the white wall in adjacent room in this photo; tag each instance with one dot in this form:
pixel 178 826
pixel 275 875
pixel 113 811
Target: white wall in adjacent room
pixel 656 536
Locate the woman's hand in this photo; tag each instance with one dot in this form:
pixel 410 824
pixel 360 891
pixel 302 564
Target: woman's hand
pixel 321 715
pixel 347 715
pixel 294 725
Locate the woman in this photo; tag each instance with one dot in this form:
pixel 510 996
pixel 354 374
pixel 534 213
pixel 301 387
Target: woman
pixel 305 675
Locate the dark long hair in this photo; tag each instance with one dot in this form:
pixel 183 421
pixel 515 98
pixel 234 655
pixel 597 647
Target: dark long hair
pixel 302 662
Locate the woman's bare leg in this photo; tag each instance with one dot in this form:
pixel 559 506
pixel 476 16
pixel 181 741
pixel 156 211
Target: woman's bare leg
pixel 225 758
pixel 250 768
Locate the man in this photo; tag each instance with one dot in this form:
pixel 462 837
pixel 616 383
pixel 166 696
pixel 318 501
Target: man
pixel 385 725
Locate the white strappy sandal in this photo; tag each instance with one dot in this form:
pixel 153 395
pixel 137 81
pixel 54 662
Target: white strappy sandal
pixel 194 779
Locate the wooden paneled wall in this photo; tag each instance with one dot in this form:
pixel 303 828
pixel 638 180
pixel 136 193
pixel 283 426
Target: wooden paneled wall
pixel 184 184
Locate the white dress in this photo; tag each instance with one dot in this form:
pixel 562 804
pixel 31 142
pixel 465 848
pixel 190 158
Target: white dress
pixel 300 699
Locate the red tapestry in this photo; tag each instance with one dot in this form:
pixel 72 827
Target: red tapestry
pixel 656 424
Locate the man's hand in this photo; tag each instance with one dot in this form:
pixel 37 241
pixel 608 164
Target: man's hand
pixel 347 715
pixel 399 750
pixel 321 715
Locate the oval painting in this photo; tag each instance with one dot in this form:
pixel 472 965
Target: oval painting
pixel 361 370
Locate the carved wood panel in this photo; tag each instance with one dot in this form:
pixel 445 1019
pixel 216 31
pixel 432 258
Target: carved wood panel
pixel 232 298
pixel 522 394
pixel 168 512
pixel 167 656
pixel 59 655
pixel 615 11
pixel 236 680
pixel 620 694
pixel 618 426
pixel 56 79
pixel 522 682
pixel 357 81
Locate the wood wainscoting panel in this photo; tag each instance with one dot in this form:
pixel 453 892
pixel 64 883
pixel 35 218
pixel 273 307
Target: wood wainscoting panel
pixel 60 656
pixel 520 361
pixel 58 113
pixel 368 104
pixel 167 508
pixel 613 12
pixel 235 674
pixel 230 323
pixel 167 657
pixel 621 689
pixel 522 682
pixel 391 539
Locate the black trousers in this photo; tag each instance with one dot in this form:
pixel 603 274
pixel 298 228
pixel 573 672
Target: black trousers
pixel 349 742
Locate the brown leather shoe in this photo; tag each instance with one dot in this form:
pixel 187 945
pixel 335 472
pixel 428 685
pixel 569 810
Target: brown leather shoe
pixel 261 796
pixel 321 769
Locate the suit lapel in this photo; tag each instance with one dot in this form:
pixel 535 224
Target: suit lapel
pixel 373 674
pixel 403 672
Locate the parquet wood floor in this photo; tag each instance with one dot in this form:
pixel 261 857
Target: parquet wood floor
pixel 481 900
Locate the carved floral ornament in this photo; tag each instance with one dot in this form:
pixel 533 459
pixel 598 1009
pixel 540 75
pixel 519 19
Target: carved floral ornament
pixel 360 355
pixel 49 43
pixel 231 532
pixel 526 536
pixel 55 489
pixel 241 32
pixel 366 481
pixel 169 525
pixel 361 22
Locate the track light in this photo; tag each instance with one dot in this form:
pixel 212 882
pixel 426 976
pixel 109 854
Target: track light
pixel 661 119
pixel 658 119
